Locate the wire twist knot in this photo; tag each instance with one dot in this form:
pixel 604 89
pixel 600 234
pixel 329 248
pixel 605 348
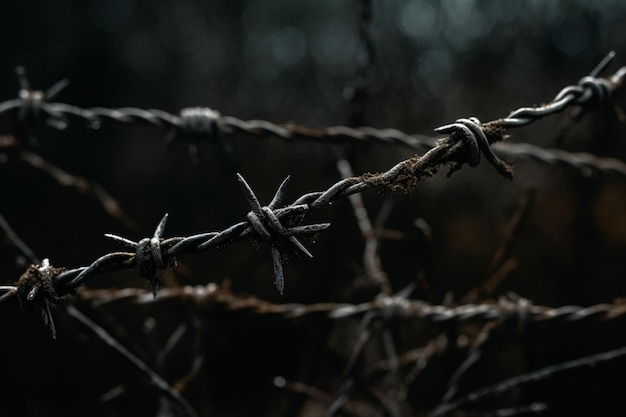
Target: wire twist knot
pixel 33 103
pixel 195 124
pixel 589 89
pixel 514 311
pixel 394 307
pixel 36 287
pixel 199 120
pixel 471 133
pixel 599 89
pixel 267 225
pixel 150 255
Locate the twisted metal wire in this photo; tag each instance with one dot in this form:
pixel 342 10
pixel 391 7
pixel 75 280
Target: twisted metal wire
pixel 396 308
pixel 192 124
pixel 195 124
pixel 586 163
pixel 278 227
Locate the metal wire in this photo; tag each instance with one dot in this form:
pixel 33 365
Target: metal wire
pixel 586 163
pixel 387 308
pixel 277 225
pixel 197 124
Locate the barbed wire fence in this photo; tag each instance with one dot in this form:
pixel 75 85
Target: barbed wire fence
pixel 279 225
pixel 280 228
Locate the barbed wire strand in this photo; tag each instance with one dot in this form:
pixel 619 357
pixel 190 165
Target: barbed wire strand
pixel 280 226
pixel 586 163
pixel 196 124
pixel 211 296
pixel 397 307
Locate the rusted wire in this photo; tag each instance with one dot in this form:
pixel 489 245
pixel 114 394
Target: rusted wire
pixel 584 162
pixel 494 315
pixel 397 307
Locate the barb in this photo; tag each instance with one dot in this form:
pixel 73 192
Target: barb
pixel 472 134
pixel 35 289
pixel 31 102
pixel 267 226
pixel 149 257
pixel 195 124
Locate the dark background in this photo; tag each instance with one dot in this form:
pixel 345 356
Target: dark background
pixel 288 61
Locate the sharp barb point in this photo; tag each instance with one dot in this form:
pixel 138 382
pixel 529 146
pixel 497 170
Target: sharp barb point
pixel 161 227
pixel 279 279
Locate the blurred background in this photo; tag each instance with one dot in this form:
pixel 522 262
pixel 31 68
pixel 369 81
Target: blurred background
pixel 429 63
